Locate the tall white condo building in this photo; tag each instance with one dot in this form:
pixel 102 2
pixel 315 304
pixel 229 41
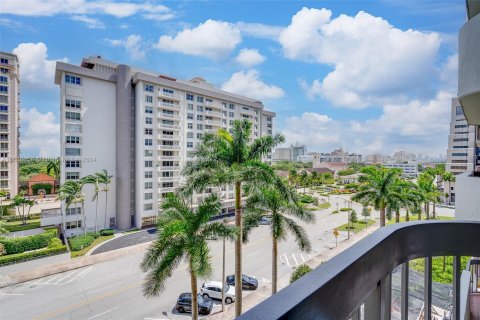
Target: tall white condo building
pixel 9 122
pixel 142 127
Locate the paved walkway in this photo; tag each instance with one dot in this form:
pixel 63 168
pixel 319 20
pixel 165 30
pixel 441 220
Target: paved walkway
pixel 24 233
pixel 126 241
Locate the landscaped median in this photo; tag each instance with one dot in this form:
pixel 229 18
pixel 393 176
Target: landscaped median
pixel 30 247
pixel 81 244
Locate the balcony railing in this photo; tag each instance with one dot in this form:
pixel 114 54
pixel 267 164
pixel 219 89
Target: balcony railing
pixel 361 275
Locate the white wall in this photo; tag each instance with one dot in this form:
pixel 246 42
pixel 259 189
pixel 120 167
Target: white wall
pixel 467 197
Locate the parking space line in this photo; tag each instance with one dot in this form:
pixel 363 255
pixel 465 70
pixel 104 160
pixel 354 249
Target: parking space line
pixel 65 277
pixel 83 273
pixel 296 262
pixel 101 314
pixel 49 280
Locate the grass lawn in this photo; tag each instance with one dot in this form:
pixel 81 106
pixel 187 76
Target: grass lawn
pixel 357 226
pixel 442 269
pixel 415 218
pixel 94 243
pixel 321 206
pixel 18 226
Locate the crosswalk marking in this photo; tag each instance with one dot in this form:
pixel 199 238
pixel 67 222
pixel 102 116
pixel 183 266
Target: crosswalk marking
pixel 64 278
pixel 296 259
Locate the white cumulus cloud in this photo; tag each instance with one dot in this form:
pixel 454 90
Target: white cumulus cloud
pixel 212 39
pixel 249 57
pixel 134 45
pixel 373 62
pixel 40 133
pixel 36 70
pixel 259 30
pixel 249 84
pixel 91 23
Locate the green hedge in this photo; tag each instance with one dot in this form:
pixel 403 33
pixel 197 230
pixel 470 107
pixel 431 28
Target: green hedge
pixel 79 242
pixel 106 232
pixel 32 216
pixel 12 258
pixel 28 243
pixel 345 209
pixel 38 186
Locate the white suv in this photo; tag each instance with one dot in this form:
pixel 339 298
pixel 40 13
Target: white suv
pixel 213 290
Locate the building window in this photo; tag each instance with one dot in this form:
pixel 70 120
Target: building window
pixel 200 108
pixel 148 185
pixel 190 97
pixel 72 115
pixel 149 99
pixel 148 87
pixel 3 80
pixel 72 175
pixel 167 184
pixel 149 110
pixel 190 106
pixel 460 139
pixel 148 206
pixel 190 125
pixel 148 153
pixel 459 111
pixel 73 224
pixel 149 132
pixel 148 196
pixel 73 128
pixel 190 116
pixel 199 136
pixel 72 139
pixel 72 211
pixel 461 126
pixel 199 127
pixel 231 114
pixel 148 174
pixel 72 164
pixel 3 108
pixel 199 117
pixel 148 164
pixel 73 103
pixel 3 61
pixel 190 135
pixel 148 142
pixel 199 99
pixel 72 79
pixel 189 144
pixel 148 120
pixel 457 154
pixel 72 151
pixel 4 117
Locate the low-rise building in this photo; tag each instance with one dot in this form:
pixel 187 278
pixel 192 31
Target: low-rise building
pixel 408 169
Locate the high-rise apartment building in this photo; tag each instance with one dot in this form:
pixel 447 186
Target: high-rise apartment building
pixel 9 122
pixel 142 127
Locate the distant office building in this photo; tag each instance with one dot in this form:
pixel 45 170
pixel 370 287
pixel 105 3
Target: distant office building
pixel 338 155
pixel 298 150
pixel 408 169
pixel 403 156
pixel 142 127
pixel 282 154
pixel 306 158
pixel 9 122
pixel 378 158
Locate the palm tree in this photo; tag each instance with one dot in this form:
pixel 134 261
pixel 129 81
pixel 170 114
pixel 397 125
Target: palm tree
pixel 3 194
pixel 377 190
pixel 71 193
pixel 293 177
pixel 448 177
pixel 182 234
pixel 93 179
pixel 430 192
pixel 54 166
pixel 19 202
pixel 303 179
pixel 269 201
pixel 229 159
pixel 105 179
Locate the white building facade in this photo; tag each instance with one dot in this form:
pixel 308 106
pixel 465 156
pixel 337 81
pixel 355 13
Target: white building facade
pixel 142 127
pixel 408 169
pixel 9 122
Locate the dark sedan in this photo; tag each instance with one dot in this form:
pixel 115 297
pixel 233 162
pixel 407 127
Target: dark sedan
pixel 184 304
pixel 247 282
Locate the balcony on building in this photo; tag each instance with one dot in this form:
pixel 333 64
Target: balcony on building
pixel 357 283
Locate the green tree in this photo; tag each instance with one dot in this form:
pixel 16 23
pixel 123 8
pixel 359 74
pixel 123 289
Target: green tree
pixel 93 180
pixel 2 230
pixel 269 201
pixel 104 179
pixel 293 177
pixel 21 204
pixel 430 192
pixel 303 179
pixel 353 217
pixel 71 193
pixel 229 159
pixel 182 234
pixel 53 166
pixel 299 272
pixel 366 214
pixel 3 195
pixel 376 189
pixel 448 177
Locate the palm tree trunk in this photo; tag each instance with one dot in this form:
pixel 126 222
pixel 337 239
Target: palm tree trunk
pixel 274 265
pixel 382 217
pixel 420 214
pixel 427 210
pixel 106 203
pixel 96 213
pixel 397 216
pixel 193 283
pixel 84 220
pixel 433 213
pixel 407 216
pixel 238 249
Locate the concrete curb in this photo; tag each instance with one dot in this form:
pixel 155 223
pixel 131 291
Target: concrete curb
pixel 48 270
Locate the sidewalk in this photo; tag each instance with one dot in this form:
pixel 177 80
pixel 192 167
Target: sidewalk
pixel 264 292
pixel 47 270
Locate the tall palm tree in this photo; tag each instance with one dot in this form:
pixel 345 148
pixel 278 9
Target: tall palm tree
pixel 20 203
pixel 94 180
pixel 229 159
pixel 182 234
pixel 377 190
pixel 71 193
pixel 54 166
pixel 293 177
pixel 304 179
pixel 448 177
pixel 105 179
pixel 268 201
pixel 430 192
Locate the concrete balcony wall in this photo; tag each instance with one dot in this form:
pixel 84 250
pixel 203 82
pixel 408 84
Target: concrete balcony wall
pixel 467 193
pixel 469 70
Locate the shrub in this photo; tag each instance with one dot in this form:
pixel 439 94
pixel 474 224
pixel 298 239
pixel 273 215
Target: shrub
pixel 305 198
pixel 19 245
pixel 299 272
pixel 19 218
pixel 353 217
pixel 55 243
pixel 106 232
pixel 335 211
pixel 8 259
pixel 79 242
pixel 345 209
pixel 2 250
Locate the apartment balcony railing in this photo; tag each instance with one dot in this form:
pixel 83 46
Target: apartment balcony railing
pixel 361 275
pixel 169 137
pixel 169 168
pixel 167 115
pixel 169 95
pixel 169 126
pixel 213 113
pixel 169 106
pixel 163 179
pixel 169 147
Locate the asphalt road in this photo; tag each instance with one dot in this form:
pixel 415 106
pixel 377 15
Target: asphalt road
pixel 113 289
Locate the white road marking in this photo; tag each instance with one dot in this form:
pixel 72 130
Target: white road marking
pixel 51 279
pixel 65 277
pixel 81 274
pixel 100 314
pixel 303 259
pixel 286 259
pixel 296 262
pixel 12 294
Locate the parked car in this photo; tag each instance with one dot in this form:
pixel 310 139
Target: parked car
pixel 184 303
pixel 213 289
pixel 247 282
pixel 265 220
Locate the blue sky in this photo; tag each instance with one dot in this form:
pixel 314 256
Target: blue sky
pixel 369 76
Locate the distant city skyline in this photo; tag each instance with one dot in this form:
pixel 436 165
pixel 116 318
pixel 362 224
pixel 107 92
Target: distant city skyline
pixel 293 59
